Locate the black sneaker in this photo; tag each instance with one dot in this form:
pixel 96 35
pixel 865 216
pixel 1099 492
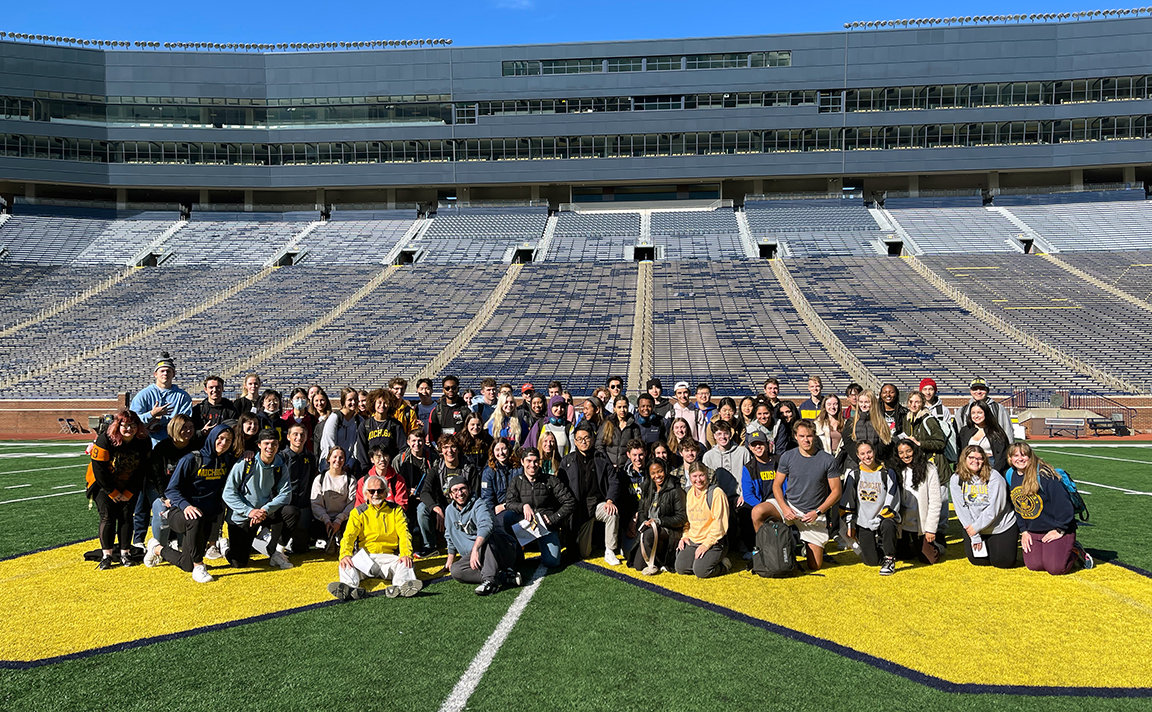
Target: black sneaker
pixel 487 588
pixel 425 553
pixel 888 566
pixel 105 564
pixel 511 577
pixel 1082 554
pixel 341 591
pixel 126 560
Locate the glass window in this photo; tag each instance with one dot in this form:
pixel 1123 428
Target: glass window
pixel 662 64
pixel 626 64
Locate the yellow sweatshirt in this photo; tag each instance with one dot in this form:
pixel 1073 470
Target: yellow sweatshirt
pixel 706 526
pixel 378 530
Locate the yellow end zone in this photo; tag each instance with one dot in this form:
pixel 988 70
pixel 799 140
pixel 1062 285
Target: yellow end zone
pixel 55 603
pixel 954 621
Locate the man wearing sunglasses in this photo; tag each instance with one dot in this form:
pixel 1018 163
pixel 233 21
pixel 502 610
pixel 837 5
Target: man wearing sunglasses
pixel 448 417
pixel 376 544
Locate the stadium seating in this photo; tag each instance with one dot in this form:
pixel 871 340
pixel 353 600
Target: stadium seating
pixel 903 329
pixel 466 237
pixel 122 240
pixel 353 241
pixel 731 325
pixel 769 217
pixel 1129 271
pixel 570 322
pixel 219 242
pixel 958 230
pixel 26 289
pixel 843 242
pixel 697 235
pixel 1091 226
pixel 48 240
pixel 1046 301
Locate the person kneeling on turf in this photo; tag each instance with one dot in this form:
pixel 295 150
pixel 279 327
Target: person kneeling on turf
pixel 486 554
pixel 378 533
pixel 872 500
pixel 259 493
pixel 808 473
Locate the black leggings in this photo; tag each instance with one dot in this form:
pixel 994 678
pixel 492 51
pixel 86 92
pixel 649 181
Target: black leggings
pixel 115 519
pixel 193 539
pixel 874 544
pixel 1001 549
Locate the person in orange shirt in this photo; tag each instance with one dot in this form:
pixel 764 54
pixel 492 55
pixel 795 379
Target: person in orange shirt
pixel 703 548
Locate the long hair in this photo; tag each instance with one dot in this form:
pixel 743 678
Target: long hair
pixel 612 423
pixel 965 474
pixel 496 422
pixel 554 460
pixel 513 455
pixel 239 439
pixel 875 417
pixel 826 421
pixel 674 442
pixel 1034 470
pixel 991 424
pixel 919 463
pixel 123 416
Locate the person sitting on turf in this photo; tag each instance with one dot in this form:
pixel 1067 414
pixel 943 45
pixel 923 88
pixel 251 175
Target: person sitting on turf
pixel 662 518
pixel 592 479
pixel 703 547
pixel 813 486
pixel 259 494
pixel 533 493
pixel 195 493
pixel 872 500
pixel 118 467
pixel 376 544
pixel 487 555
pixel 980 497
pixel 333 498
pixel 165 457
pixel 1046 514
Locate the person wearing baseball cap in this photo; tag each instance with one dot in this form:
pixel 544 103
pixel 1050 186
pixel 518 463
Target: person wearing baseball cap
pixel 978 389
pixel 259 493
pixel 682 408
pixel 157 403
pixel 756 486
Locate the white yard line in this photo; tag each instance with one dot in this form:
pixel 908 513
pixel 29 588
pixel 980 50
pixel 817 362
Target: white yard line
pixel 71 443
pixel 1102 457
pixel 1113 444
pixel 43 496
pixel 467 684
pixel 16 486
pixel 63 486
pixel 44 469
pixel 1118 489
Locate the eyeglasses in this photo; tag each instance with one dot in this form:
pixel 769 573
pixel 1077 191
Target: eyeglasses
pixel 374 491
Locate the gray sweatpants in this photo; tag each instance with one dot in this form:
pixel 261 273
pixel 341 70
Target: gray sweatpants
pixel 708 565
pixel 495 554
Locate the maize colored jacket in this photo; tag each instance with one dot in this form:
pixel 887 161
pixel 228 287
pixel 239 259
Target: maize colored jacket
pixel 377 530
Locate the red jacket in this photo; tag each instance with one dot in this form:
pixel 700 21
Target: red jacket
pixel 397 488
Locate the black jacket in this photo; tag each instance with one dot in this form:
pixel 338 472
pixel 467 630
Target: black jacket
pixel 547 495
pixel 656 430
pixel 388 434
pixel 617 450
pixel 414 469
pixel 666 506
pixel 301 471
pixel 605 475
pixel 447 417
pixel 206 414
pixel 999 459
pixel 434 492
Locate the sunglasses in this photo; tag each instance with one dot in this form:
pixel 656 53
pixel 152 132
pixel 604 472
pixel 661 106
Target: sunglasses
pixel 374 491
pixel 451 388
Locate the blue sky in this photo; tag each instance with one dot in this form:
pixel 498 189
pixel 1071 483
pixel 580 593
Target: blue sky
pixel 476 22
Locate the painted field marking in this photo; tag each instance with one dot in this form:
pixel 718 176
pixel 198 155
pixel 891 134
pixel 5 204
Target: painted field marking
pixel 16 486
pixel 70 443
pixel 43 455
pixel 43 496
pixel 1088 446
pixel 1102 457
pixel 43 469
pixel 460 694
pixel 63 486
pixel 1118 489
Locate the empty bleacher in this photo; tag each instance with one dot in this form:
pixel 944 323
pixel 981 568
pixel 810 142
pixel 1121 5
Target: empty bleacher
pixel 1044 300
pixel 228 242
pixel 48 239
pixel 594 237
pixel 466 237
pixel 958 230
pixel 697 235
pixel 27 289
pixel 569 322
pixel 903 329
pixel 731 325
pixel 814 216
pixel 1129 271
pixel 354 241
pixel 121 240
pixel 396 330
pixel 1123 225
pixel 834 243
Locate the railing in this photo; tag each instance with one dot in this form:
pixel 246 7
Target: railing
pixel 1071 400
pixel 751 249
pixel 78 297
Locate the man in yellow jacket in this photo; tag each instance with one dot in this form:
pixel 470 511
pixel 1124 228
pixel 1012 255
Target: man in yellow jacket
pixel 376 544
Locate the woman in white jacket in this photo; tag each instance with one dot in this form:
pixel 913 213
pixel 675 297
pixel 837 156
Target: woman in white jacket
pixel 333 496
pixel 921 505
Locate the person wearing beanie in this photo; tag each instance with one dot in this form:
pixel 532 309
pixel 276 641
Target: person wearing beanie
pixel 487 554
pixel 259 494
pixel 663 406
pixel 157 403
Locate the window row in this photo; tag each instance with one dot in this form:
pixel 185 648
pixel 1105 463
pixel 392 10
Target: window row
pixel 574 147
pixel 732 60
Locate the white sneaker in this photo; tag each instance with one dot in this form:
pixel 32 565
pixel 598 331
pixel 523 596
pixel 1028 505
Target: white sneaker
pixel 213 553
pixel 279 561
pixel 222 545
pixel 201 575
pixel 610 558
pixel 151 558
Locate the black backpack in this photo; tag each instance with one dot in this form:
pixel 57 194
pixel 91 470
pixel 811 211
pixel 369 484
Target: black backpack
pixel 774 556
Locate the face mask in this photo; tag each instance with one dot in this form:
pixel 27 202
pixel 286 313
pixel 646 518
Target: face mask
pixel 299 403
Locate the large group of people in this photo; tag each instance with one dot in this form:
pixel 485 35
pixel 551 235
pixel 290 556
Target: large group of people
pixel 683 484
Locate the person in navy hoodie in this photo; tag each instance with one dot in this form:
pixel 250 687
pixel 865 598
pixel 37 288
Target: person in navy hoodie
pixel 1045 513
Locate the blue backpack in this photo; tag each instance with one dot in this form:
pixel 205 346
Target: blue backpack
pixel 1078 507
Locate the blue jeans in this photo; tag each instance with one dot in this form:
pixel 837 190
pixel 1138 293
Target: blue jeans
pixel 549 545
pixel 426 519
pixel 160 528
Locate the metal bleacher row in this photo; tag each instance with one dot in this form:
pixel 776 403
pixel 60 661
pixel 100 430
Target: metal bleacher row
pixel 717 316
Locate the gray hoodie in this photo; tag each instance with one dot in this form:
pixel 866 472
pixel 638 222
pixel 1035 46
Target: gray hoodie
pixel 727 466
pixel 983 506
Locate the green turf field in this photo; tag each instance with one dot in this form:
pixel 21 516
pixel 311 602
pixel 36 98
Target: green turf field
pixel 586 640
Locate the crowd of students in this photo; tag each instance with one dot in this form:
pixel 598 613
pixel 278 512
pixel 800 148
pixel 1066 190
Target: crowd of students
pixel 682 484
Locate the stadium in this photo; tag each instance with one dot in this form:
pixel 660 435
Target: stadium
pixel 948 198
